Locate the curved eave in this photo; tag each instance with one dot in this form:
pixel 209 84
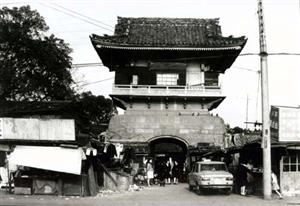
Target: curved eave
pixel 122 100
pixel 169 48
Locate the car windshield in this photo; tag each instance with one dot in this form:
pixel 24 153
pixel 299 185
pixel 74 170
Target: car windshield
pixel 212 167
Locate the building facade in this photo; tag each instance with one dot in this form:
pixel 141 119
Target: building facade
pixel 285 129
pixel 167 80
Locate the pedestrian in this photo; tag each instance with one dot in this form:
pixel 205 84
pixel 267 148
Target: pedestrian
pixel 162 171
pixel 275 186
pixel 175 172
pixel 245 176
pixel 149 171
pixel 170 165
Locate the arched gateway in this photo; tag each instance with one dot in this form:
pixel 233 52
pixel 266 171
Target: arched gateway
pixel 161 148
pixel 168 146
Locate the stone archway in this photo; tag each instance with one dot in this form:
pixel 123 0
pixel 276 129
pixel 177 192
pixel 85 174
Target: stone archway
pixel 163 147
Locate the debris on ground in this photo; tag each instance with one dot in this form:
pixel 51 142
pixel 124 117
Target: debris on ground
pixel 134 187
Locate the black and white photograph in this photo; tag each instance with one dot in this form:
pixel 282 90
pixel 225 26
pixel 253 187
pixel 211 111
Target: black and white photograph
pixel 149 102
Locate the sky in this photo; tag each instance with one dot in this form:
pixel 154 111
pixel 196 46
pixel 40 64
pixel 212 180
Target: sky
pixel 75 20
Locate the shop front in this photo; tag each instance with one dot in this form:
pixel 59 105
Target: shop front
pixel 290 172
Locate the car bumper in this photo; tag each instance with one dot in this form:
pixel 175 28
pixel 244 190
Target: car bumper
pixel 216 186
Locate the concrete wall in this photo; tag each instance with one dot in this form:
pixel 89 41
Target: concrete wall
pixel 142 126
pixel 37 129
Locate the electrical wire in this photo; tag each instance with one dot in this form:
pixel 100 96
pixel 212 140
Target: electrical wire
pixel 77 17
pixel 86 65
pixel 103 80
pixel 19 2
pixel 276 53
pixel 248 69
pixel 82 15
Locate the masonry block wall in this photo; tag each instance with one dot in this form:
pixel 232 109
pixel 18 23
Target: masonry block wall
pixel 142 127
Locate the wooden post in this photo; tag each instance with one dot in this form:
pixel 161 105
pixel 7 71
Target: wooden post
pixel 60 186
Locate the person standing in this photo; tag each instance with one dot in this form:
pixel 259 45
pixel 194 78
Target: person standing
pixel 275 186
pixel 170 165
pixel 162 172
pixel 149 171
pixel 175 172
pixel 245 173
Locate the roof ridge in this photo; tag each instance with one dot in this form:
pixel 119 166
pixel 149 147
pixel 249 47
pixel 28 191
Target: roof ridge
pixel 167 20
pixel 217 18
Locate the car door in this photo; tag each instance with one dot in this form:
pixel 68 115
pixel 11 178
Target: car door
pixel 192 175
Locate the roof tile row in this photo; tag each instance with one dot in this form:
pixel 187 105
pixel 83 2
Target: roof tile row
pixel 168 32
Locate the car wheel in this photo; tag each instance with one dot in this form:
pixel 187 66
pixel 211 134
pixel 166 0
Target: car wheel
pixel 227 191
pixel 199 190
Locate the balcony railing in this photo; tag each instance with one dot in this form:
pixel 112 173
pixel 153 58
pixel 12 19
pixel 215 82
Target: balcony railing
pixel 161 90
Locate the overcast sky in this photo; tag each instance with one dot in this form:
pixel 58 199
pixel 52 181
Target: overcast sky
pixel 68 20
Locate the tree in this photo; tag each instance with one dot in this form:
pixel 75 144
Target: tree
pixel 33 66
pixel 93 112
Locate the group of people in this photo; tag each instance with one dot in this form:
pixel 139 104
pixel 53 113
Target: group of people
pixel 247 179
pixel 167 171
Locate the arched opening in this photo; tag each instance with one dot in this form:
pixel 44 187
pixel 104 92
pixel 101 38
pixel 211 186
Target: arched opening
pixel 162 148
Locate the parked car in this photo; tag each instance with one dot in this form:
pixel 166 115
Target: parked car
pixel 210 175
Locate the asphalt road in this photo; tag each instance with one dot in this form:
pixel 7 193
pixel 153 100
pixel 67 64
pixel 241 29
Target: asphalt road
pixel 171 195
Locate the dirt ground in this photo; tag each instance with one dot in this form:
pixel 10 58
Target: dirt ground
pixel 171 195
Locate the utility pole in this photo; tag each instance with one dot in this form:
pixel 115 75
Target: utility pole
pixel 247 111
pixel 266 140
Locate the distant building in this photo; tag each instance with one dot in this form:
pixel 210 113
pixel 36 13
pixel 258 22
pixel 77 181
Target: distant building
pixel 285 150
pixel 285 129
pixel 167 80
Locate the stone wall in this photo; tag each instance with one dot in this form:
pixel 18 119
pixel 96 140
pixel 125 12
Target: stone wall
pixel 193 129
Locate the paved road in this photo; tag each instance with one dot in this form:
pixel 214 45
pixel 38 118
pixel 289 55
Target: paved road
pixel 171 195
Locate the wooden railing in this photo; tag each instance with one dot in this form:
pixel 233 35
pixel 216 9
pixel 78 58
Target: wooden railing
pixel 158 90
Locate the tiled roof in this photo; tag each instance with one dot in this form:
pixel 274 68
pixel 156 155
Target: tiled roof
pixel 167 32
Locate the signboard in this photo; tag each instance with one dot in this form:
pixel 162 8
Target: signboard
pixel 37 129
pixel 289 124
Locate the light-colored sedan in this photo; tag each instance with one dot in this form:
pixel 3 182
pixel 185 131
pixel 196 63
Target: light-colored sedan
pixel 210 175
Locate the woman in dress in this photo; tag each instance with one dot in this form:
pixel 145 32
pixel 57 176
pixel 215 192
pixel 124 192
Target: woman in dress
pixel 149 171
pixel 275 186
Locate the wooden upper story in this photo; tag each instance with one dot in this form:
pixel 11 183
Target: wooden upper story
pixel 167 56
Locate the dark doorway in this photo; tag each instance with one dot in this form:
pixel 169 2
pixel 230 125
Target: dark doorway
pixel 161 149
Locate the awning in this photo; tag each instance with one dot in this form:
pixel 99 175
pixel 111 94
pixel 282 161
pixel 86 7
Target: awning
pixel 48 158
pixel 293 147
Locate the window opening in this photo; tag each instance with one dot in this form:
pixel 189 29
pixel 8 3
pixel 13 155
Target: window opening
pixel 167 79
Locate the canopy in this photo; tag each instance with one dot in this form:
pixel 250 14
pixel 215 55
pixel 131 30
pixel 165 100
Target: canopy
pixel 48 158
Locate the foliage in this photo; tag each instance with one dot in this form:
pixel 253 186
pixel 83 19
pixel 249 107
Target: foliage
pixel 33 66
pixel 93 112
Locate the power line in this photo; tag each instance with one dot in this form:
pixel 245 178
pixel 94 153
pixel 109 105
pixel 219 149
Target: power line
pixel 248 69
pixel 91 64
pixel 103 80
pixel 86 65
pixel 19 2
pixel 82 15
pixel 77 17
pixel 270 54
